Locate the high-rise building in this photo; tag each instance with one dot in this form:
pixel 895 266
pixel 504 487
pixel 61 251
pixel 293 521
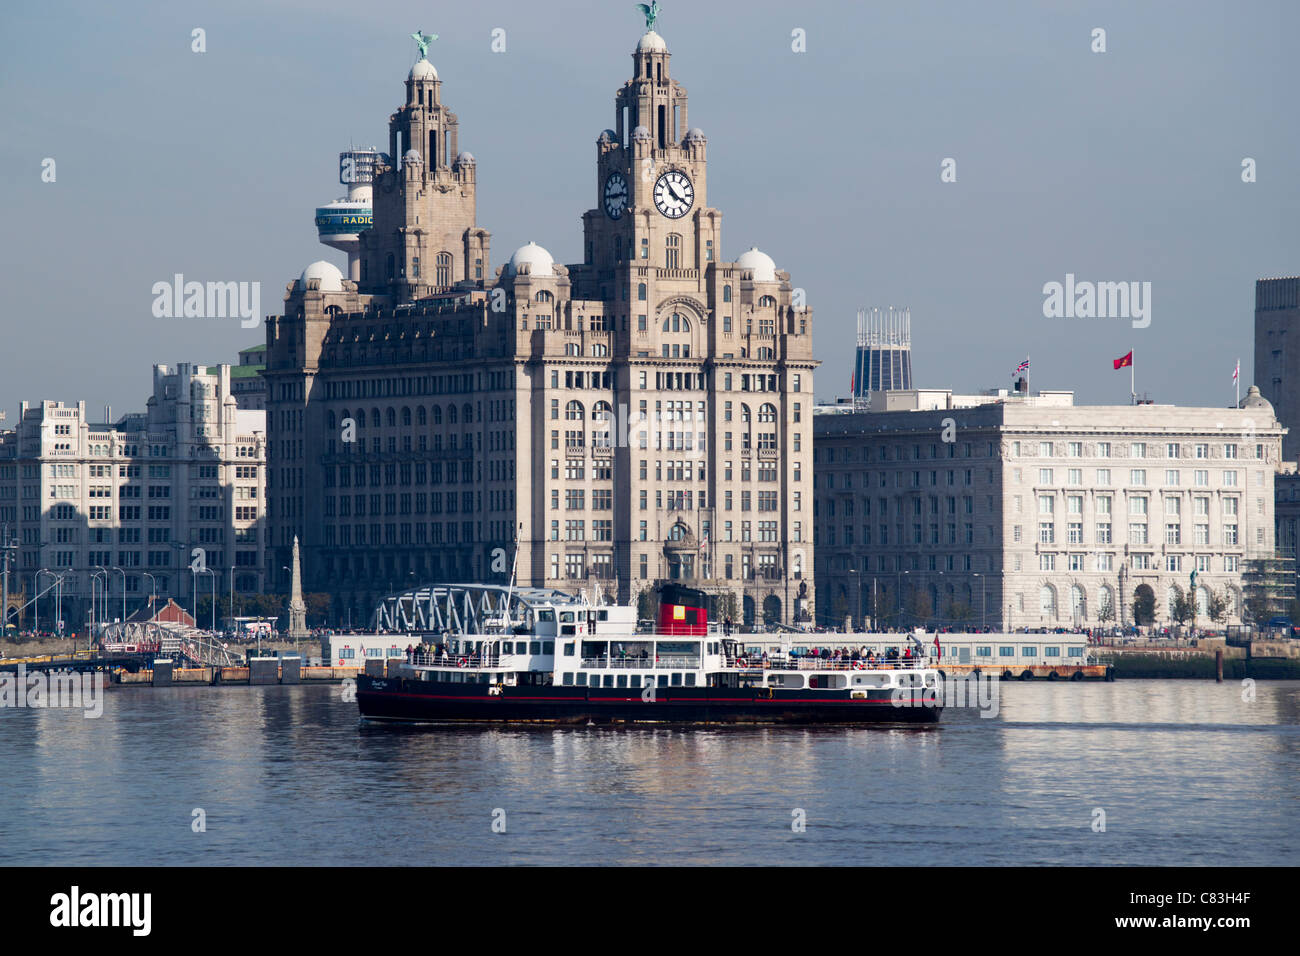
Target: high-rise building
pixel 641 415
pixel 1013 511
pixel 1277 353
pixel 884 357
pixel 125 508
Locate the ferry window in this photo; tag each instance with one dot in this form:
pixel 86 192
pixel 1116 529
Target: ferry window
pixel 609 680
pixel 1076 652
pixel 1028 652
pixel 567 680
pixel 568 648
pixel 534 647
pixel 663 680
pixel 983 651
pixel 582 679
pixel 1006 652
pixel 548 647
pixel 636 680
pixel 602 615
pixel 566 617
pixel 677 679
pixel 547 615
pixel 1052 651
pixel 690 680
pixel 622 680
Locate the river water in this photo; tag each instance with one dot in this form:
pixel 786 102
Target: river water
pixel 1178 772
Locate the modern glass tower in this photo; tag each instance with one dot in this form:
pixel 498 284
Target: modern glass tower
pixel 884 359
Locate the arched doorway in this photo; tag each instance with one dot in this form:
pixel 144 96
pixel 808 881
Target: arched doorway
pixel 1144 605
pixel 747 610
pixel 771 609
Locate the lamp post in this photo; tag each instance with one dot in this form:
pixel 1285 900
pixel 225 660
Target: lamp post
pixel 94 620
pixel 983 606
pixel 213 572
pixel 123 596
pixel 103 604
pixel 859 582
pixel 230 615
pixel 36 599
pixel 153 584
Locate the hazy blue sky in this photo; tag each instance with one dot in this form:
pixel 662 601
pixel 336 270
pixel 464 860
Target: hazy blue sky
pixel 1123 165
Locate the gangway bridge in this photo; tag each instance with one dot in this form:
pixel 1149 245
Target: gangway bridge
pixel 465 608
pixel 189 645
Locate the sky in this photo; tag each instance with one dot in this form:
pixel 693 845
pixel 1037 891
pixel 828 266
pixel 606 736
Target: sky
pixel 1122 165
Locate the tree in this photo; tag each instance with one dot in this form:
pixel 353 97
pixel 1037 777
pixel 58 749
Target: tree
pixel 645 605
pixel 1218 607
pixel 1181 609
pixel 318 608
pixel 1106 612
pixel 1144 605
pixel 959 612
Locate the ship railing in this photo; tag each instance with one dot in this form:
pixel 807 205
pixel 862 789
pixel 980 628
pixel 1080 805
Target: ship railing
pixel 832 664
pixel 663 662
pixel 456 660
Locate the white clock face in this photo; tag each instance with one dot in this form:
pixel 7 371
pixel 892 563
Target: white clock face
pixel 615 195
pixel 674 194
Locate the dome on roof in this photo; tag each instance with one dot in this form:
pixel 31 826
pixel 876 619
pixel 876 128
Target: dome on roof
pixel 641 133
pixel 696 135
pixel 331 279
pixel 412 156
pixel 607 136
pixel 1254 399
pixel 538 260
pixel 760 263
pixel 652 43
pixel 465 158
pixel 423 70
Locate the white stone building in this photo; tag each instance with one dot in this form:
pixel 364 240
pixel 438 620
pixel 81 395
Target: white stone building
pixel 1034 512
pixel 130 501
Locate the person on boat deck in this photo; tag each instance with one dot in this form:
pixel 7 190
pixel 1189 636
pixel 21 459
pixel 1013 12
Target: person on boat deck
pixel 907 655
pixel 409 652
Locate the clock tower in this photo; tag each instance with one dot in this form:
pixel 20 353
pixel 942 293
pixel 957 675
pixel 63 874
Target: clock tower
pixel 651 180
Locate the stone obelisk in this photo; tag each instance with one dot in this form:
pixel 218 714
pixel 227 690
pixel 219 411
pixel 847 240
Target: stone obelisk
pixel 297 608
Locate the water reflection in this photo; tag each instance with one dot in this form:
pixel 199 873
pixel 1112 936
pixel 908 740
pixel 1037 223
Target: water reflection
pixel 1184 771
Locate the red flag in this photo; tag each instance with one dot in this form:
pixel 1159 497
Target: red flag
pixel 1124 361
pixel 937 648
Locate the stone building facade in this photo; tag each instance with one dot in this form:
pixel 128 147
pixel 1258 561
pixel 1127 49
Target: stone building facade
pixel 133 500
pixel 643 415
pixel 1033 512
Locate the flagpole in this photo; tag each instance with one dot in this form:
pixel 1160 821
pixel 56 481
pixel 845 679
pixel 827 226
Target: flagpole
pixel 1132 378
pixel 1236 380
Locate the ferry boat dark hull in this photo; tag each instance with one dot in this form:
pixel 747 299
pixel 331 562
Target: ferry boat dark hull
pixel 407 700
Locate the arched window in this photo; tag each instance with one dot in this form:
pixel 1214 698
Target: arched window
pixel 601 411
pixel 451 414
pixel 374 418
pixel 1078 603
pixel 573 411
pixel 421 417
pixel 673 251
pixel 573 348
pixel 744 412
pixel 467 413
pixel 437 414
pixel 767 413
pixel 1106 602
pixel 1047 602
pixel 640 292
pixel 1202 602
pixel 392 417
pixel 726 293
pixel 544 296
pixel 766 301
pixel 344 415
pixel 443 264
pixel 406 417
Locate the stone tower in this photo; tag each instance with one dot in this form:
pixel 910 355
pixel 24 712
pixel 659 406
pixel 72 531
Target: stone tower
pixel 424 239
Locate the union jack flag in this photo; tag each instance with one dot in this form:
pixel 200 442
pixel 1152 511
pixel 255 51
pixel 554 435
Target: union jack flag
pixel 1023 366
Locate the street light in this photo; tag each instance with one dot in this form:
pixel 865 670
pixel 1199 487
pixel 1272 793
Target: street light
pixel 36 598
pixel 855 571
pixel 123 597
pixel 983 605
pixel 212 572
pixel 93 620
pixel 103 609
pixel 153 584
